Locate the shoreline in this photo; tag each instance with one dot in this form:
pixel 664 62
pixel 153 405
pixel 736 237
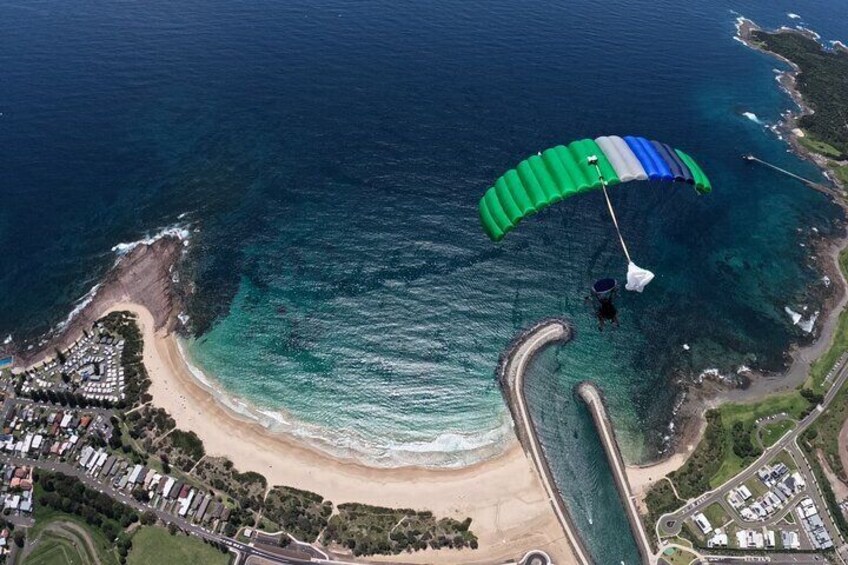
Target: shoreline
pixel 504 496
pixel 276 421
pixel 800 358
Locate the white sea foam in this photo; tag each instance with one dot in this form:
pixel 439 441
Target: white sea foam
pixel 815 35
pixel 195 372
pixel 711 373
pixel 445 443
pixel 450 449
pixel 78 307
pixel 179 231
pixel 796 317
pixel 753 117
pixel 808 324
pixel 793 16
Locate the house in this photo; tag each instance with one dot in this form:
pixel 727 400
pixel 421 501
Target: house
pixel 133 478
pixel 702 522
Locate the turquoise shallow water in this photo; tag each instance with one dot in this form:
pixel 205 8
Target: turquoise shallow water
pixel 330 157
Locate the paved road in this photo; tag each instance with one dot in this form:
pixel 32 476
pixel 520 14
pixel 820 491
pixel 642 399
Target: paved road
pixel 671 524
pixel 192 529
pixel 243 551
pixel 772 559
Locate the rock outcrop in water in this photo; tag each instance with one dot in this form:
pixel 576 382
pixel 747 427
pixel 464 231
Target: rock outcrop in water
pixel 144 275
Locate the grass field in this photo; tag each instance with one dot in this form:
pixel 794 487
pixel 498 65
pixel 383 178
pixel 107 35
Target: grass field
pixel 154 545
pixel 791 403
pixel 819 147
pixel 675 556
pixel 841 172
pixel 59 551
pixel 58 539
pixel 756 487
pixel 770 433
pixel 716 515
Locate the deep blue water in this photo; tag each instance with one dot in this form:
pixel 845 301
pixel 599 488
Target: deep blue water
pixel 330 156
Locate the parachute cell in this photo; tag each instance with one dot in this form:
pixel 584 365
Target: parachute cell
pixel 565 171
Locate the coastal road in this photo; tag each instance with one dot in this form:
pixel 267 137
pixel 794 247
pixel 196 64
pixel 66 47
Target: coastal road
pixel 772 559
pixel 243 550
pixel 671 524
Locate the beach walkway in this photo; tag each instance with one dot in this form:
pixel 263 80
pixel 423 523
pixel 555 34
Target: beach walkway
pixel 593 398
pixel 511 373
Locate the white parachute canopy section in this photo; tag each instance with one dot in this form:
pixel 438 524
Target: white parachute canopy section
pixel 637 277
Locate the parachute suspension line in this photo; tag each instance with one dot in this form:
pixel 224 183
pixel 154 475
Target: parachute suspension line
pixel 593 160
pixel 637 277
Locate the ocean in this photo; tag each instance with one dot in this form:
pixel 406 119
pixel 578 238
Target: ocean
pixel 327 158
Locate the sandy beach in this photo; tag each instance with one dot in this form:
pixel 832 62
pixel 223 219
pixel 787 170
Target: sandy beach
pixel 503 496
pixel 642 477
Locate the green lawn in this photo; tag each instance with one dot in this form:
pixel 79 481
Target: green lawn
pixel 819 147
pixel 842 174
pixel 675 556
pixel 756 487
pixel 730 466
pixel 59 543
pixel 58 551
pixel 791 403
pixel 773 431
pixel 716 515
pixel 154 545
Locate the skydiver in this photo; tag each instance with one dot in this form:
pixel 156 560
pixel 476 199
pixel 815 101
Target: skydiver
pixel 603 292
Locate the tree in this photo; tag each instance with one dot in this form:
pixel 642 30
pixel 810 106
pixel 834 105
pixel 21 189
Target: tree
pixel 19 538
pixel 172 529
pixel 140 494
pixel 148 518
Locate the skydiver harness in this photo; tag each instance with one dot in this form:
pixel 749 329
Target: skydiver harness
pixel 637 277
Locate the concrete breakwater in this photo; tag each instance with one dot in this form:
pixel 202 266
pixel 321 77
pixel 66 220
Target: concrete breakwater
pixel 511 369
pixel 594 399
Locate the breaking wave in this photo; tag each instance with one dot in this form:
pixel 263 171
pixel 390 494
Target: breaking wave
pixel 180 231
pixel 753 117
pixel 451 449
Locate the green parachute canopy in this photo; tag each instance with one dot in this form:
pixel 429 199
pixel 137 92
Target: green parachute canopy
pixel 565 171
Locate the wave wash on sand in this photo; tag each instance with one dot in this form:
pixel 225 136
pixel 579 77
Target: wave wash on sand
pixel 503 495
